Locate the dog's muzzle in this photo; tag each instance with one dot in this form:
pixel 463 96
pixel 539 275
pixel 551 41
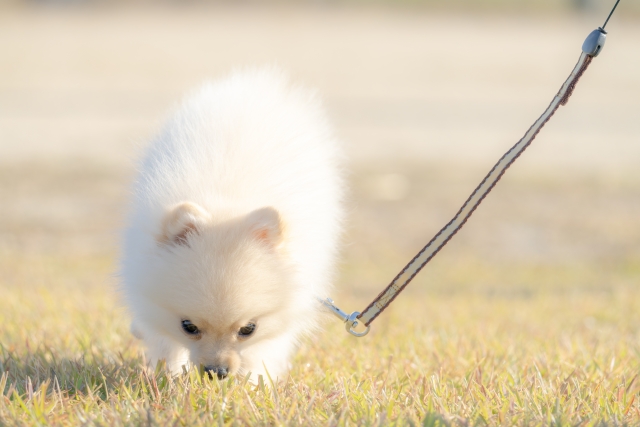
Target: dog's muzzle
pixel 220 371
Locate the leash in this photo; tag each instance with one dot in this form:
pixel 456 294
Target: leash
pixel 591 48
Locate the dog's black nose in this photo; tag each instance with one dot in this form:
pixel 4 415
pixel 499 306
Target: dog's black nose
pixel 220 371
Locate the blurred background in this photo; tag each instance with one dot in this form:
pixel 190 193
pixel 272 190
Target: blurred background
pixel 426 96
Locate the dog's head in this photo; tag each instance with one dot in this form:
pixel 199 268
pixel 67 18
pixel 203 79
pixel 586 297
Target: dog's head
pixel 223 289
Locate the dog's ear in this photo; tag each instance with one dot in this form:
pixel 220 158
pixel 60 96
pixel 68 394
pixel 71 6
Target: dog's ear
pixel 180 222
pixel 266 226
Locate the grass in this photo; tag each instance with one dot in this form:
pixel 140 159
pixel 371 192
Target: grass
pixel 492 333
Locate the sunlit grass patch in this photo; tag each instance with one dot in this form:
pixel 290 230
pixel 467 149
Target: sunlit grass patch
pixel 493 332
pixel 440 358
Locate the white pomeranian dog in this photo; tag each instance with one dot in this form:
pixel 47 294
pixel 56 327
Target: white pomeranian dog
pixel 234 227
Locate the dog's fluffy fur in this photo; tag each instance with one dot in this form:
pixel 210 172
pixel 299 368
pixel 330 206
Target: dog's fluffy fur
pixel 235 220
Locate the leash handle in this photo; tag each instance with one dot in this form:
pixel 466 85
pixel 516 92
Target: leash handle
pixel 591 48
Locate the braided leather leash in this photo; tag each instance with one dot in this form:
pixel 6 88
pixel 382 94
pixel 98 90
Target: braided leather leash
pixel 591 47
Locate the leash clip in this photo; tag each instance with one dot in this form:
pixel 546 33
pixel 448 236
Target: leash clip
pixel 350 320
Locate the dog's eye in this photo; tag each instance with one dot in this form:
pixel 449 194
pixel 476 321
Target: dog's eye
pixel 247 330
pixel 190 328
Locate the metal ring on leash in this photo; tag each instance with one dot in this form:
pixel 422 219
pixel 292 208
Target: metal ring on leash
pixel 352 322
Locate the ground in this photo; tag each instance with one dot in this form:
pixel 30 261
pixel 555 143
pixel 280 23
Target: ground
pixel 530 316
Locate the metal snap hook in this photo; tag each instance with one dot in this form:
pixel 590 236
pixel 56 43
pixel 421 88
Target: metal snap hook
pixel 351 321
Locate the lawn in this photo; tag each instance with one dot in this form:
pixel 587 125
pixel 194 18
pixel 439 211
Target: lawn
pixel 531 316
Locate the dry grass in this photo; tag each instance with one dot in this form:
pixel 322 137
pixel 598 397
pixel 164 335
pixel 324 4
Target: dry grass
pixel 492 333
